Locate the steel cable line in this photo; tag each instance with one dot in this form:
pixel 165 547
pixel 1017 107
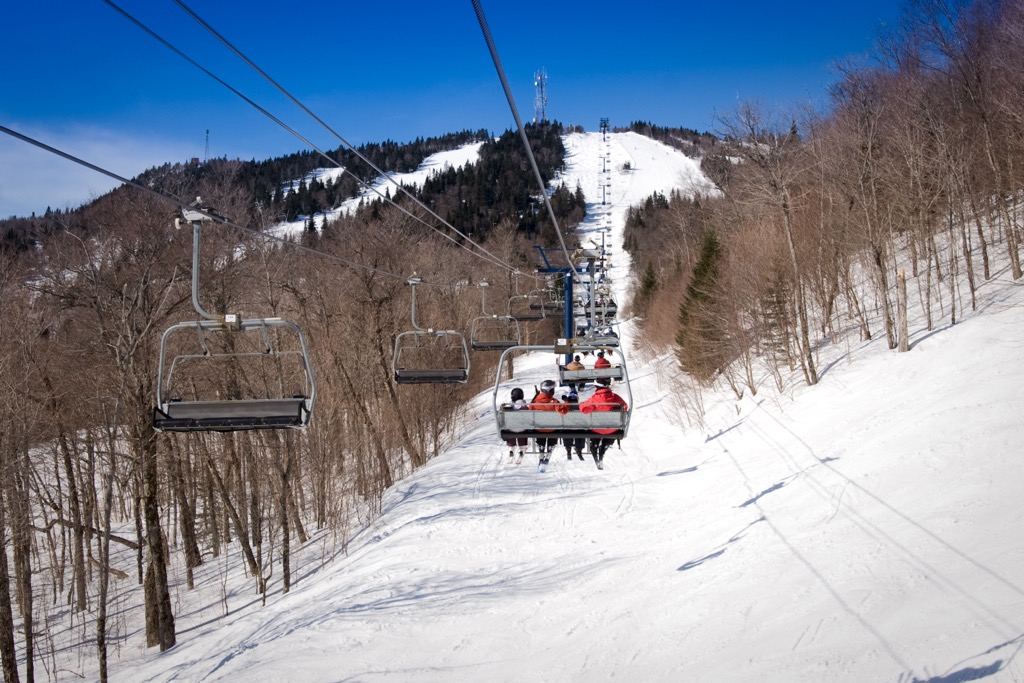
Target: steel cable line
pixel 496 260
pixel 519 123
pixel 185 205
pixel 312 146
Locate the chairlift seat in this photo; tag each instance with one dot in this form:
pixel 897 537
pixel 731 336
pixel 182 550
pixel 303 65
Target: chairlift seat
pixel 432 376
pixel 528 316
pixel 609 340
pixel 494 344
pixel 193 416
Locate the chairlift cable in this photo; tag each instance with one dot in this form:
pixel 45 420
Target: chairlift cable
pixel 185 205
pixel 519 123
pixel 300 137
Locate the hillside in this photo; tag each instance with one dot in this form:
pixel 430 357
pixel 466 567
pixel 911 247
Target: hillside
pixel 864 529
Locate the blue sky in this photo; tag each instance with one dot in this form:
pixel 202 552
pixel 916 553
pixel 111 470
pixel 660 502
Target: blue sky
pixel 88 81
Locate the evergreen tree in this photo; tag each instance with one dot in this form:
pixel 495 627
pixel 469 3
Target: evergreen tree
pixel 648 286
pixel 702 337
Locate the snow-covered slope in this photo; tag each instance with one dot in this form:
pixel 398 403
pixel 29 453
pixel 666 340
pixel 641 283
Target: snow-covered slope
pixel 867 529
pixel 389 186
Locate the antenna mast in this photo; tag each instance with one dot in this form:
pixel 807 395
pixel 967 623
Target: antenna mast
pixel 206 155
pixel 540 99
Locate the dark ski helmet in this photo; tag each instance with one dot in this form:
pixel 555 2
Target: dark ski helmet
pixel 517 394
pixel 548 387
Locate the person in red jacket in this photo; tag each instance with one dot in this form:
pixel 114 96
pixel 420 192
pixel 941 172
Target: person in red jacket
pixel 545 400
pixel 603 400
pixel 601 361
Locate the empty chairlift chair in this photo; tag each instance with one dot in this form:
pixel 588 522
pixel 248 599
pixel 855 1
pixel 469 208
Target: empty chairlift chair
pixel 225 373
pixel 233 375
pixel 429 356
pixel 528 307
pixel 493 332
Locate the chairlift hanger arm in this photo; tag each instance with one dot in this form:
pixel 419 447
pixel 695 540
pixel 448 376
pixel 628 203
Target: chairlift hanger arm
pixel 196 216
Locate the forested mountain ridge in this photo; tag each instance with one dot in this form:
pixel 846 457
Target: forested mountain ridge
pixel 472 198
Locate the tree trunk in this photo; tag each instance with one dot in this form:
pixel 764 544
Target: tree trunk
pixel 159 616
pixel 22 546
pixel 232 513
pixel 807 352
pixel 77 525
pixel 901 311
pixel 888 319
pixel 104 569
pixel 212 513
pixel 186 518
pixel 8 653
pixel 284 473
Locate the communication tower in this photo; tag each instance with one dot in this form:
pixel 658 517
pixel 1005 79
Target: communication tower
pixel 540 98
pixel 206 154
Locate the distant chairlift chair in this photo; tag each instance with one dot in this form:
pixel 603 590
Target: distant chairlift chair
pixel 493 332
pixel 429 356
pixel 528 307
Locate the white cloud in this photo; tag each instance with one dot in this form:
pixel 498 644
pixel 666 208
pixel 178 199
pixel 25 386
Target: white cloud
pixel 32 179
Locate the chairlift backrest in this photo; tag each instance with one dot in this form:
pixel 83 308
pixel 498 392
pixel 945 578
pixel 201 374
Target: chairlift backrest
pixel 494 333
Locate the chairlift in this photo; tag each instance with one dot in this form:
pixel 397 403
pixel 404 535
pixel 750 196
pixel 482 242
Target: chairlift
pixel 491 332
pixel 225 373
pixel 600 337
pixel 528 307
pixel 546 299
pixel 605 308
pixel 547 424
pixel 429 356
pixel 616 372
pixel 555 301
